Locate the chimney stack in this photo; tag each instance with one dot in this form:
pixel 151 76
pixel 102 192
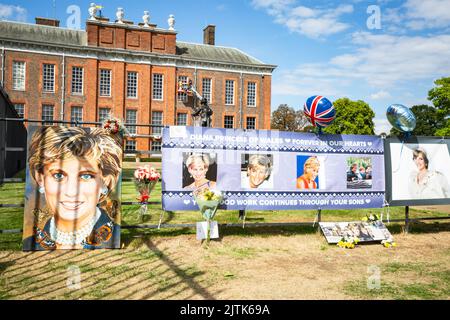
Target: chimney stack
pixel 47 22
pixel 209 35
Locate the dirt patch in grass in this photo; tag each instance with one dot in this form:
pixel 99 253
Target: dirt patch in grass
pixel 255 266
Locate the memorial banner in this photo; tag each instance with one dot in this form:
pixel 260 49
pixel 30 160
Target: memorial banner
pixel 417 171
pixel 72 195
pixel 271 170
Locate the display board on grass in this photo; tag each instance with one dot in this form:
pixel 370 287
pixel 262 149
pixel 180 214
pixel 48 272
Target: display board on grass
pixel 271 170
pixel 417 171
pixel 72 196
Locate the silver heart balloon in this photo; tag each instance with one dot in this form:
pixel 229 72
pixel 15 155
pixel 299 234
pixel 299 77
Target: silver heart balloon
pixel 401 117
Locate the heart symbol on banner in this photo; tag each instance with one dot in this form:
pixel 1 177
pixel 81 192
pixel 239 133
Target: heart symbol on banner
pixel 287 140
pixel 367 200
pixel 186 202
pixel 369 143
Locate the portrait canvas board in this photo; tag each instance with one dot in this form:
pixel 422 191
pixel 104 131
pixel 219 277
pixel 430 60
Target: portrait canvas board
pixel 365 231
pixel 72 193
pixel 418 171
pixel 270 169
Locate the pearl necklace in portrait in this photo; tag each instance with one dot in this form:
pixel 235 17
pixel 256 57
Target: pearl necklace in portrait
pixel 73 237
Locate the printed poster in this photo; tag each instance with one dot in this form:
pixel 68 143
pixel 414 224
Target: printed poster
pixel 272 170
pixel 72 196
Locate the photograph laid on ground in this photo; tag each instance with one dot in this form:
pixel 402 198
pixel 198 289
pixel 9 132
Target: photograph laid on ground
pixel 309 172
pixel 256 171
pixel 359 173
pixel 72 198
pixel 365 231
pixel 199 171
pixel 420 172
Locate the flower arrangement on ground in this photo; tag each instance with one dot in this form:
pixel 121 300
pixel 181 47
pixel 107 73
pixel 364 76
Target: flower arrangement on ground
pixel 145 179
pixel 348 242
pixel 373 219
pixel 370 218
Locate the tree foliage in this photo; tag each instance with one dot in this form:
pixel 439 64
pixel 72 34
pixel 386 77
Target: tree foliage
pixel 352 117
pixel 440 95
pixel 286 118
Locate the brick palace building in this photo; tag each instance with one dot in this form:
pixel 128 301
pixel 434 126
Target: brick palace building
pixel 131 72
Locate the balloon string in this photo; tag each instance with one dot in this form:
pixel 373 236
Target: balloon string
pixel 406 137
pixel 399 160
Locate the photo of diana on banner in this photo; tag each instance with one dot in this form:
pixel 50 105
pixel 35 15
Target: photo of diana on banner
pixel 419 171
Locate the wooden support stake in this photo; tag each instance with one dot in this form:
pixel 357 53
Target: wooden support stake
pixel 406 219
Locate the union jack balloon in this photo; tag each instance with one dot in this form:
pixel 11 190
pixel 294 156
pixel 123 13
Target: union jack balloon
pixel 319 111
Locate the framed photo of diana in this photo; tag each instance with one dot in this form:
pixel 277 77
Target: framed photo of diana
pixel 417 171
pixel 72 196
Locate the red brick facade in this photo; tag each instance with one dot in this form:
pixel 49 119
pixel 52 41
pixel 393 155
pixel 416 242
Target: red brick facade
pixel 128 40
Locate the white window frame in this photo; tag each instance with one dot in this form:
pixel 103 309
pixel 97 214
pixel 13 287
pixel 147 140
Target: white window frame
pixel 154 88
pixel 225 121
pixel 72 109
pixel 77 83
pixel 99 113
pixel 43 113
pixel 246 123
pixel 208 93
pixel 136 84
pixel 254 94
pixel 182 96
pixel 16 79
pixel 160 122
pixel 131 129
pixel 22 105
pixel 227 93
pixel 130 145
pixel 48 79
pixel 186 119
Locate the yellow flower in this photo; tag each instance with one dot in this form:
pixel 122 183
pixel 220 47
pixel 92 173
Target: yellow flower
pixel 394 244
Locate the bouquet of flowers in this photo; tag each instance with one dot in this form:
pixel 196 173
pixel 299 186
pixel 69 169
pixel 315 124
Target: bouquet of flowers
pixel 348 242
pixel 208 200
pixel 145 179
pixel 371 218
pixel 113 126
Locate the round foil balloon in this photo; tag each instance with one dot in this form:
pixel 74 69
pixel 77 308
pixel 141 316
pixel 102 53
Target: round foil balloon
pixel 401 117
pixel 320 111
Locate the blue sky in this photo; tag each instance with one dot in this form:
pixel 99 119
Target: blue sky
pixel 332 48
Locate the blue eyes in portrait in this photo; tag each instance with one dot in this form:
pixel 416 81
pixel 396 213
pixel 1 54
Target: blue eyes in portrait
pixel 58 176
pixel 86 176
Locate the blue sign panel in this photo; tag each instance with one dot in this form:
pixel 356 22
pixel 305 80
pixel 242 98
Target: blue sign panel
pixel 272 170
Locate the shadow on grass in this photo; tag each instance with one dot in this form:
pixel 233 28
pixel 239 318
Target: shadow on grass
pixel 266 231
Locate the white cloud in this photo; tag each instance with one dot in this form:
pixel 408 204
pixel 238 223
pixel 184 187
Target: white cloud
pixel 379 62
pixel 380 95
pixel 382 125
pixel 313 23
pixel 428 14
pixel 11 12
pixel 418 15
